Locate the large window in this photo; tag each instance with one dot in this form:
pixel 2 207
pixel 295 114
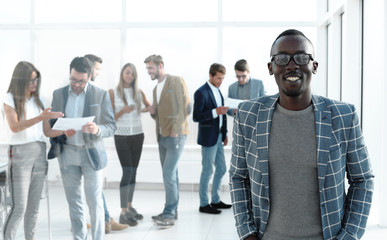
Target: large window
pixel 190 35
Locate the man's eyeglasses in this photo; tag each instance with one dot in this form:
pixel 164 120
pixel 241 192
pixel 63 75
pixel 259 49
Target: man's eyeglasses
pixel 75 81
pixel 283 59
pixel 241 76
pixel 35 80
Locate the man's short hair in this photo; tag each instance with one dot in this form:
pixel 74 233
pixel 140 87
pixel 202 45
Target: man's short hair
pixel 93 58
pixel 216 67
pixel 290 32
pixel 157 59
pixel 242 65
pixel 82 65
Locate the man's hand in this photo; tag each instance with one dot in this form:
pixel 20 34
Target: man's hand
pixel 69 132
pixel 151 109
pixel 221 110
pixel 90 127
pixel 173 134
pixel 225 141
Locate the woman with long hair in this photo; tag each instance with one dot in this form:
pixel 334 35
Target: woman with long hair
pixel 27 165
pixel 127 100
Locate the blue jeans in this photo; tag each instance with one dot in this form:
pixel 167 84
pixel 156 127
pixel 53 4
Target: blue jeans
pixel 212 156
pixel 170 150
pixel 107 214
pixel 74 163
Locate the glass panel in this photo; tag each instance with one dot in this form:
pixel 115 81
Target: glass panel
pixel 15 47
pixel 254 44
pixel 186 52
pixel 56 48
pixel 70 11
pixel 269 11
pixel 172 10
pixel 15 11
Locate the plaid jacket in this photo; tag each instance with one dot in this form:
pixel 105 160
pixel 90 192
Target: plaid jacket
pixel 340 151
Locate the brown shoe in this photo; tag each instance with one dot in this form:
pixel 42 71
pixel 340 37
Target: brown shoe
pixel 115 226
pixel 108 227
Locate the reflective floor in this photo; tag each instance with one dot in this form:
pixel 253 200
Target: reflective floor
pixel 191 224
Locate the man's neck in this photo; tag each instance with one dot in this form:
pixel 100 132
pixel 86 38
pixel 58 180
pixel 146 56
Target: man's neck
pixel 162 77
pixel 295 103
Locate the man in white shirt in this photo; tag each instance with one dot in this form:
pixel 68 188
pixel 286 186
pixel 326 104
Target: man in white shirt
pixel 209 112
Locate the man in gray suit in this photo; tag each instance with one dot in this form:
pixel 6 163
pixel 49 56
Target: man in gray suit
pixel 82 153
pixel 246 87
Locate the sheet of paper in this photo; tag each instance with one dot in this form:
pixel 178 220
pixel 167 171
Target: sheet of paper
pixel 71 123
pixel 233 103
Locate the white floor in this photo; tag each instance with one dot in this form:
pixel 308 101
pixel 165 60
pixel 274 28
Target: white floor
pixel 191 224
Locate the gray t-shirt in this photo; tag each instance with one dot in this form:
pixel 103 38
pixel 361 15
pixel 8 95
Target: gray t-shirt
pixel 294 195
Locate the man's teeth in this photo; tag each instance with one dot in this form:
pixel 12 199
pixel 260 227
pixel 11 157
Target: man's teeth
pixel 293 79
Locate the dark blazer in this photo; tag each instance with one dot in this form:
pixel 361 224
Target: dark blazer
pixel 97 103
pixel 204 102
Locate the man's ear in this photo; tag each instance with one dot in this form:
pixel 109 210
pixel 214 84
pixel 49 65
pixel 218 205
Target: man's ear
pixel 315 66
pixel 270 67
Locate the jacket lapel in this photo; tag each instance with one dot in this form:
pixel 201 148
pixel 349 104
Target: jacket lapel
pixel 263 133
pixel 165 88
pixel 87 101
pixel 65 96
pixel 211 94
pixel 323 122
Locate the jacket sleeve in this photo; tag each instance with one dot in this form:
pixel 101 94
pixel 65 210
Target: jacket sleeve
pixel 106 123
pixel 201 111
pixel 240 189
pixel 360 179
pixel 181 104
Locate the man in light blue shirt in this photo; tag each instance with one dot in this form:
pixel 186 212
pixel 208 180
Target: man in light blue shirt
pixel 81 154
pixel 246 87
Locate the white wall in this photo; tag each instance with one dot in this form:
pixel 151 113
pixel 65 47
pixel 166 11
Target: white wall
pixel 374 100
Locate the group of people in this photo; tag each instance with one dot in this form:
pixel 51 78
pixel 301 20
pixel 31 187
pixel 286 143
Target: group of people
pixel 290 152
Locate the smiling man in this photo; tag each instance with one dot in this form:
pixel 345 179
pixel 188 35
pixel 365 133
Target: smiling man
pixel 291 153
pixel 170 110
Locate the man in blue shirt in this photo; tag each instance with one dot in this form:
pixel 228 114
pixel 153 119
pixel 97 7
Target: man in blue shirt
pixel 246 87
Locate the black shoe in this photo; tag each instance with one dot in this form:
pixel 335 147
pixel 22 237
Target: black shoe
pixel 209 209
pixel 221 205
pixel 128 219
pixel 135 214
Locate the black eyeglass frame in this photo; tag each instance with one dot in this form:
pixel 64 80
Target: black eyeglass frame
pixel 292 56
pixel 79 82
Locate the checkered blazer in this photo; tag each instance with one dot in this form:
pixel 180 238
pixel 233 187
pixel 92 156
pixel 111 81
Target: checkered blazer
pixel 340 151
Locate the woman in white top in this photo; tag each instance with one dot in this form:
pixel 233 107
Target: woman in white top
pixel 27 165
pixel 126 99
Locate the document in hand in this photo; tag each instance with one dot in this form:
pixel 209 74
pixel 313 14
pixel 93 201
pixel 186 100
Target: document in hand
pixel 71 123
pixel 233 103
